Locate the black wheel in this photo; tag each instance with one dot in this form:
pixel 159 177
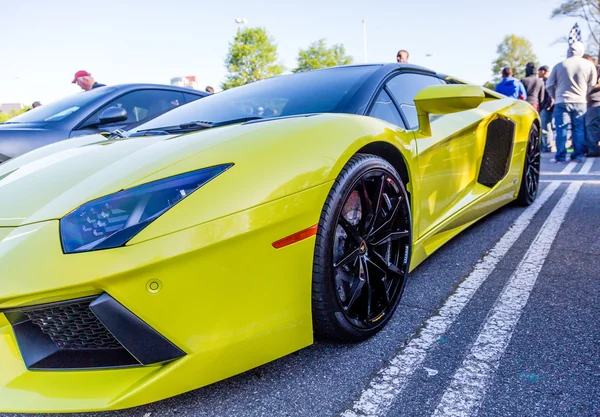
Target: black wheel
pixel 531 170
pixel 362 251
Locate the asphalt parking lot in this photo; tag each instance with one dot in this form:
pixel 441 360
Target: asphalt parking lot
pixel 502 321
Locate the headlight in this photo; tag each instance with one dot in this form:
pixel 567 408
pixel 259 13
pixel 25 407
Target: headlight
pixel 111 221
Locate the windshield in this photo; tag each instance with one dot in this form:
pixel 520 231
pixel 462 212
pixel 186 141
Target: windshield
pixel 321 91
pixel 61 109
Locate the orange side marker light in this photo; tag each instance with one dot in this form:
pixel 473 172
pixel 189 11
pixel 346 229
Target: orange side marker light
pixel 296 237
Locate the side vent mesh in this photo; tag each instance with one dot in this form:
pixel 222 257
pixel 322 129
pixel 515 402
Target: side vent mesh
pixel 497 152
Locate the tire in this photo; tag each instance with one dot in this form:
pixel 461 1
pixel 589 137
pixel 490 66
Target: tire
pixel 362 251
pixel 530 180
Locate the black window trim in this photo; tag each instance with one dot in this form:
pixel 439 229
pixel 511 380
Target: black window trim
pixel 383 86
pixel 397 74
pixel 374 101
pixel 186 93
pixel 80 124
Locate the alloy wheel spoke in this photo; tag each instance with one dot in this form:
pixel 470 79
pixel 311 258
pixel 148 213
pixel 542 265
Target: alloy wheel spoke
pixel 386 292
pixel 382 269
pixel 347 259
pixel 365 196
pixel 382 280
pixel 379 200
pixel 391 237
pixel 383 264
pixel 349 229
pixel 355 292
pixel 388 222
pixel 365 270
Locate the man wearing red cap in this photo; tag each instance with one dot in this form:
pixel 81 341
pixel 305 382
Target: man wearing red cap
pixel 85 80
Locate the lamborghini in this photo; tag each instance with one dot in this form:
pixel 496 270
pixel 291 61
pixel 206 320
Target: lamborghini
pixel 236 229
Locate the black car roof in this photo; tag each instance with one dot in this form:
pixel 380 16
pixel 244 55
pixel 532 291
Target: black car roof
pixel 135 86
pixel 389 65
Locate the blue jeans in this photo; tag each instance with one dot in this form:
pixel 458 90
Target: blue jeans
pixel 547 132
pixel 592 130
pixel 566 114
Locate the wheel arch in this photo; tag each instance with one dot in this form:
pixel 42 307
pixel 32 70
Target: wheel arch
pixel 537 124
pixel 392 155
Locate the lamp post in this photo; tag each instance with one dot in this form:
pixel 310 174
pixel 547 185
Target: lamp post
pixel 241 21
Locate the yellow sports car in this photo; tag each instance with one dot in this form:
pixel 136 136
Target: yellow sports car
pixel 228 232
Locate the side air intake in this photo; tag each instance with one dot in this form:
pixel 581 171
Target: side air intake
pixel 497 152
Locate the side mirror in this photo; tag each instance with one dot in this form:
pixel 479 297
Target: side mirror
pixel 113 115
pixel 445 99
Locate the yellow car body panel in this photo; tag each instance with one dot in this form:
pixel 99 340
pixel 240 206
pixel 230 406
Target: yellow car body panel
pixel 227 297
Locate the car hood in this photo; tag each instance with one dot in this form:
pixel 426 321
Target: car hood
pixel 50 182
pixel 47 183
pixel 22 126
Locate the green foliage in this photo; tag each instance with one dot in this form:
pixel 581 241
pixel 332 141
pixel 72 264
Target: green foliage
pixel 7 116
pixel 318 55
pixel 490 85
pixel 252 56
pixel 589 11
pixel 514 52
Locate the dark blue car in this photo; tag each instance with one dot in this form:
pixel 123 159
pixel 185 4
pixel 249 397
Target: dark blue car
pixel 102 109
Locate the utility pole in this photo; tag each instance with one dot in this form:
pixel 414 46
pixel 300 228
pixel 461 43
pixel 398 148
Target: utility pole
pixel 364 22
pixel 241 21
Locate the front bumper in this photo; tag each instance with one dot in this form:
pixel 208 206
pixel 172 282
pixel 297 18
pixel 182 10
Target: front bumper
pixel 223 295
pixel 87 333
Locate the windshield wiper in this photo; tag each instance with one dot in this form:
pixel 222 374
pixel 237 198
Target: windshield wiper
pixel 193 126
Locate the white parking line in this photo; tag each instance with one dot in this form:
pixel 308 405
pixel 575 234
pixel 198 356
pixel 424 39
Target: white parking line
pixel 593 182
pixel 586 166
pixel 469 384
pixel 545 173
pixel 569 168
pixel 378 397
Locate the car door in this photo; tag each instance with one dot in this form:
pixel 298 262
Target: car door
pixel 140 105
pixel 446 160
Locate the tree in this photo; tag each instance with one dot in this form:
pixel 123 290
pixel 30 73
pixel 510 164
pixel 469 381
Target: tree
pixel 318 55
pixel 514 52
pixel 7 116
pixel 252 56
pixel 490 85
pixel 588 10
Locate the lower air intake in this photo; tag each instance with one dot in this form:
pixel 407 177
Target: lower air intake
pixel 73 327
pixel 93 332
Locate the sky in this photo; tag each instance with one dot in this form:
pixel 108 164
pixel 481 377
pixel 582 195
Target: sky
pixel 43 43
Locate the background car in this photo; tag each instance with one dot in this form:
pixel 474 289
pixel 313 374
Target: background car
pixel 99 110
pixel 213 240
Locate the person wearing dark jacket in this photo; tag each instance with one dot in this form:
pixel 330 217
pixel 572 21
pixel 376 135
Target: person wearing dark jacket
pixel 534 86
pixel 592 122
pixel 546 109
pixel 510 86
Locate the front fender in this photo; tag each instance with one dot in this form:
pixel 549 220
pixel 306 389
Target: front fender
pixel 272 161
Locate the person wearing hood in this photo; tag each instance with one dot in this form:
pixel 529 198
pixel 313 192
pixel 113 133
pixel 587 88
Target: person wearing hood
pixel 510 86
pixel 534 86
pixel 569 84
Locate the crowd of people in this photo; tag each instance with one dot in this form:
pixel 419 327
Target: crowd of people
pixel 567 98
